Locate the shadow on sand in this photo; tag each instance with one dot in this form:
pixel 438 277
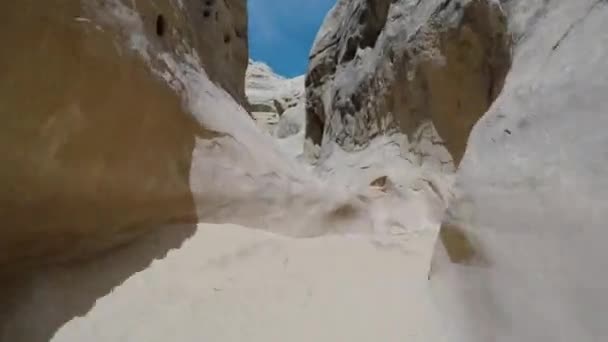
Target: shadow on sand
pixel 34 309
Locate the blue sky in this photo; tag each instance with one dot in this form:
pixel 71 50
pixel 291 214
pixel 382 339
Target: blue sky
pixel 281 32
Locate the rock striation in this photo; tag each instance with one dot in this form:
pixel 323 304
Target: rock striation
pixel 385 66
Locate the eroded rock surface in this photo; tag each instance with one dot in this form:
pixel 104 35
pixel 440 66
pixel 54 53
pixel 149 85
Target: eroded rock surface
pixel 95 145
pixel 384 66
pixel 125 133
pixel 522 254
pixel 271 95
pixel 221 41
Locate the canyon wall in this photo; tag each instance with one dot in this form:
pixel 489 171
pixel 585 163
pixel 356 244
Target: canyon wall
pixel 520 86
pixel 122 116
pixel 521 254
pixel 386 66
pixel 123 127
pixel 95 145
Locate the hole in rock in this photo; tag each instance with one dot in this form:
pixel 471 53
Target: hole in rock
pixel 160 25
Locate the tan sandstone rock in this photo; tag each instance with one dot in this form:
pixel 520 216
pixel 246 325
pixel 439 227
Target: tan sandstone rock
pixel 522 254
pixel 269 95
pixel 94 147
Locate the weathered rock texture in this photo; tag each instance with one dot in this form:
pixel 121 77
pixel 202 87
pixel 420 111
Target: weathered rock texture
pixel 94 146
pixel 112 128
pixel 522 254
pixel 270 95
pixel 381 66
pixel 221 40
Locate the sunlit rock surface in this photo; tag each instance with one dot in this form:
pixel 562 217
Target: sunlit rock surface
pixel 522 253
pixel 129 141
pixel 271 95
pixel 383 66
pixel 95 145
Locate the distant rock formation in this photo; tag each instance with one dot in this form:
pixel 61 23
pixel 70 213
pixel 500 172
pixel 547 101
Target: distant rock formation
pixel 270 95
pixel 95 146
pixel 384 66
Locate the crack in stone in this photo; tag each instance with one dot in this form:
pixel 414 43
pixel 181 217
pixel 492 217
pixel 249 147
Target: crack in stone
pixel 576 23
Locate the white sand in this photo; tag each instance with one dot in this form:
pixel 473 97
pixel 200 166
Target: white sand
pixel 229 283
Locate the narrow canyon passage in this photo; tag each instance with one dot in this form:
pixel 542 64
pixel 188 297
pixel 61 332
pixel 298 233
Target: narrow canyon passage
pixel 360 272
pixel 330 249
pixel 435 173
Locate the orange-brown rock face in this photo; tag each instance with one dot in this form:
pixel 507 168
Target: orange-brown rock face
pixel 94 146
